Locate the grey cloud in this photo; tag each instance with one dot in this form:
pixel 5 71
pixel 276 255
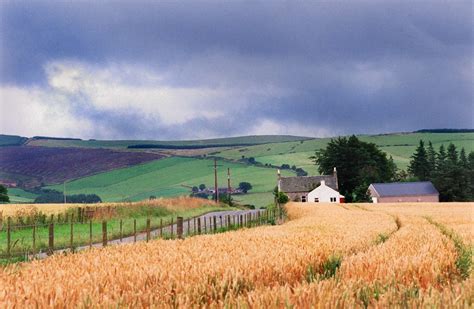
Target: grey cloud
pixel 311 51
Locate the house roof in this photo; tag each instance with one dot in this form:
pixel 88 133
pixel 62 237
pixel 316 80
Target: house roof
pixel 306 183
pixel 404 188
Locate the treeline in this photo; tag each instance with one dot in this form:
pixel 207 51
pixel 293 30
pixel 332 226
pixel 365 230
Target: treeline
pixel 53 196
pixel 163 146
pixel 451 171
pixel 57 138
pixel 445 131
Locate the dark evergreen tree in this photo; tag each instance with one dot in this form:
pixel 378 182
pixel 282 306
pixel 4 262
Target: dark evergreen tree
pixel 419 166
pixel 4 198
pixel 431 157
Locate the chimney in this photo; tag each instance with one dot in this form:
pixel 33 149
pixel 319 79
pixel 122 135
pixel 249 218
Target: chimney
pixel 334 174
pixel 279 180
pixel 323 183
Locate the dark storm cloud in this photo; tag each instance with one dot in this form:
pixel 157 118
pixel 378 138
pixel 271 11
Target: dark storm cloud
pixel 353 67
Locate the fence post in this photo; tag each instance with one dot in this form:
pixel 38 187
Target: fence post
pixel 189 227
pixel 51 239
pixel 228 222
pixel 171 227
pixel 79 214
pixel 194 225
pixel 179 227
pixel 104 233
pixel 241 223
pixel 220 221
pixel 205 225
pixel 214 221
pixel 9 236
pixel 90 233
pixel 72 233
pixel 147 229
pixel 134 230
pixel 161 227
pixel 34 239
pixel 199 225
pixel 121 230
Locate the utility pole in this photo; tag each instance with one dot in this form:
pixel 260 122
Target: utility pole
pixel 215 181
pixel 229 189
pixel 64 192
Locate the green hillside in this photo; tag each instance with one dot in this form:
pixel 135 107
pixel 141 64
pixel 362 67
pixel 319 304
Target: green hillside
pixel 239 140
pixel 18 195
pixel 399 146
pixel 172 177
pixel 12 140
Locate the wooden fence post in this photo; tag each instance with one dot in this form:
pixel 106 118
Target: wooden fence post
pixel 241 223
pixel 220 221
pixel 148 230
pixel 205 225
pixel 72 233
pixel 51 239
pixel 214 221
pixel 134 230
pixel 171 227
pixel 104 233
pixel 9 236
pixel 194 225
pixel 34 240
pixel 161 227
pixel 228 222
pixel 189 227
pixel 90 233
pixel 199 225
pixel 179 227
pixel 121 230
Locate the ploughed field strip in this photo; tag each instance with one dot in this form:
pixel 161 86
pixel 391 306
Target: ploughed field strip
pixel 324 256
pixel 48 165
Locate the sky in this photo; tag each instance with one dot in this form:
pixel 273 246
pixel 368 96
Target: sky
pixel 205 69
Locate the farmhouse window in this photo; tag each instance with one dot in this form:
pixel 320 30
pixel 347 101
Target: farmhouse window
pixel 316 200
pixel 303 199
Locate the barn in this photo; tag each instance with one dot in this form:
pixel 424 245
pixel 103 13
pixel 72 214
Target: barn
pixel 322 188
pixel 397 192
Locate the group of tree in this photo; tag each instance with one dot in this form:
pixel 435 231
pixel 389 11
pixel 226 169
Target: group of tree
pixel 299 171
pixel 451 172
pixel 4 198
pixel 53 196
pixel 358 165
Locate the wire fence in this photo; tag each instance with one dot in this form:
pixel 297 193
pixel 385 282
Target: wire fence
pixel 21 242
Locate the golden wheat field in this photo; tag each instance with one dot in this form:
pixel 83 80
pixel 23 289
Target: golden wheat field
pixel 178 203
pixel 324 255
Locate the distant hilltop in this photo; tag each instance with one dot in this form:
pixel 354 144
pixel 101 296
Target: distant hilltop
pixel 445 131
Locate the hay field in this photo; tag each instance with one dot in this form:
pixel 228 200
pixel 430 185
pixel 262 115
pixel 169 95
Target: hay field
pixel 177 203
pixel 326 255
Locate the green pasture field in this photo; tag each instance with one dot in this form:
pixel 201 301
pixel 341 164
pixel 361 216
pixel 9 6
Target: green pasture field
pixel 399 146
pixel 18 195
pixel 22 238
pixel 170 177
pixel 254 140
pixel 11 140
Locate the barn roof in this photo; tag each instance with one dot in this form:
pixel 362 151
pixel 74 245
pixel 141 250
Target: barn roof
pixel 306 183
pixel 404 188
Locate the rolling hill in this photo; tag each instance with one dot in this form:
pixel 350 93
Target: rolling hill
pixel 172 177
pixel 187 167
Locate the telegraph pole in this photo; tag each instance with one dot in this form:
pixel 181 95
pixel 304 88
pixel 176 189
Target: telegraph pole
pixel 64 192
pixel 215 181
pixel 229 189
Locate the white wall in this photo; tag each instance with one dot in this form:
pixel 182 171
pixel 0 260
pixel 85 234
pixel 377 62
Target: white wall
pixel 324 194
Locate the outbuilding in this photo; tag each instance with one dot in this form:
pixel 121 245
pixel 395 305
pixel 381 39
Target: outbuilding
pixel 398 192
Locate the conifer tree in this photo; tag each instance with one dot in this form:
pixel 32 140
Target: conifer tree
pixel 419 166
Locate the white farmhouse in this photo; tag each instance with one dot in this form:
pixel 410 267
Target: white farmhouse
pixel 324 194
